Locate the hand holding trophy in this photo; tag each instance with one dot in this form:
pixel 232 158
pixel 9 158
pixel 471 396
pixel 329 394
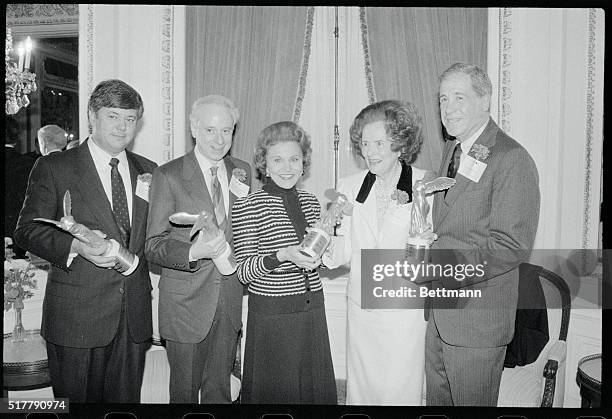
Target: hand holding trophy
pixel 318 236
pixel 211 237
pixel 125 261
pixel 421 235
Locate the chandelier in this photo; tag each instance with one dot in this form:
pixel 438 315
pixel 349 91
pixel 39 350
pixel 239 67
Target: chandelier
pixel 19 82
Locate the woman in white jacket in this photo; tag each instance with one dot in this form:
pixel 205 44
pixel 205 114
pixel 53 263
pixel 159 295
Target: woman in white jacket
pixel 385 347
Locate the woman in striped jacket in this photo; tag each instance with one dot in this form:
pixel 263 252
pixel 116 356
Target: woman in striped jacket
pixel 287 354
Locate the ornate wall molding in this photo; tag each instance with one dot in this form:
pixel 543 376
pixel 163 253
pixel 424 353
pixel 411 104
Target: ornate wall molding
pixel 167 79
pixel 90 42
pixel 504 108
pixel 41 14
pixel 365 42
pixel 297 109
pixel 590 110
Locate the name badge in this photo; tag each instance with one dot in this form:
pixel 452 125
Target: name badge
pixel 238 188
pixel 471 168
pixel 142 189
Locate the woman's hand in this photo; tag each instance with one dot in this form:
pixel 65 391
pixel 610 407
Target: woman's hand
pixel 293 255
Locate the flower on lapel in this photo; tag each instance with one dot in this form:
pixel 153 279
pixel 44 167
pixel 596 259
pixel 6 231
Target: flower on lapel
pixel 240 174
pixel 479 152
pixel 145 178
pixel 400 196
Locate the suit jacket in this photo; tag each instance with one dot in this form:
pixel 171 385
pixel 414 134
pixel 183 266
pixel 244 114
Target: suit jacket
pixel 16 172
pixel 493 221
pixel 188 294
pixel 83 302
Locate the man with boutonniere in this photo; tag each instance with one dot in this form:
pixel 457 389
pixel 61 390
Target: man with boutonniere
pixel 488 220
pixel 200 297
pixel 96 320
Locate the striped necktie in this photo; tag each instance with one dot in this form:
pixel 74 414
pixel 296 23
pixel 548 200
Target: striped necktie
pixel 217 197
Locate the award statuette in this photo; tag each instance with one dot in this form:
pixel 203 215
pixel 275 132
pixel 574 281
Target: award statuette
pixel 204 222
pixel 421 235
pixel 125 261
pixel 317 238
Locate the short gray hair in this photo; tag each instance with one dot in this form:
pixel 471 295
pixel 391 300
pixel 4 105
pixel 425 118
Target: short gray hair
pixel 480 80
pixel 216 100
pixel 53 137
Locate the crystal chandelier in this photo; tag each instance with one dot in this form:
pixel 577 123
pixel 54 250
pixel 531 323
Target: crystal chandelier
pixel 19 82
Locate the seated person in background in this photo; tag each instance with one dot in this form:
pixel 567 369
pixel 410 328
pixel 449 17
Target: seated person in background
pixel 287 356
pixel 51 139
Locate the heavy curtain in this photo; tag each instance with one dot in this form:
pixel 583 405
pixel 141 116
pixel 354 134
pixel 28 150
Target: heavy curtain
pixel 253 56
pixel 410 47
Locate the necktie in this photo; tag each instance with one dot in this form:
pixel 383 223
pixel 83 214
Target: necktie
pixel 120 207
pixel 217 197
pixel 454 163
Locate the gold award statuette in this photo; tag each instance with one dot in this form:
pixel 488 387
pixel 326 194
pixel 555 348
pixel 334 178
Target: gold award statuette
pixel 421 235
pixel 204 222
pixel 125 261
pixel 317 238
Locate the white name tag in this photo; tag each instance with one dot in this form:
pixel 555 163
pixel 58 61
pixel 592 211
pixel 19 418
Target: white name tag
pixel 238 188
pixel 471 168
pixel 142 189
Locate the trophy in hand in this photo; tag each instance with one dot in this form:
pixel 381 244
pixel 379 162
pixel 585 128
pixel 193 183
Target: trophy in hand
pixel 318 236
pixel 203 222
pixel 421 235
pixel 125 261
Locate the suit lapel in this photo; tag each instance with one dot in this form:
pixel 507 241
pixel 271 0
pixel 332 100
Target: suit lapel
pixel 229 167
pixel 92 192
pixel 443 205
pixel 195 183
pixel 139 205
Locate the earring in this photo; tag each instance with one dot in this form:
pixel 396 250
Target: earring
pixel 267 173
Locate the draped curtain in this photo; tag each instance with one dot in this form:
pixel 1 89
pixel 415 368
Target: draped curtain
pixel 253 56
pixel 410 47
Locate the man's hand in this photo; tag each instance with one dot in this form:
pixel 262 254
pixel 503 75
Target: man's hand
pixel 94 254
pixel 210 249
pixel 292 254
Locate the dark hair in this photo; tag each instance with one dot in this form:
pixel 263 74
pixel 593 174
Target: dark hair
pixel 402 125
pixel 115 94
pixel 480 80
pixel 285 131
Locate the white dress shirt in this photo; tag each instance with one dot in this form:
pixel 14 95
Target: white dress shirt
pixel 102 162
pixel 205 165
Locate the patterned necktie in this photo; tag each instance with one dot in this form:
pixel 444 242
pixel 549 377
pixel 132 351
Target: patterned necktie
pixel 454 163
pixel 217 197
pixel 120 206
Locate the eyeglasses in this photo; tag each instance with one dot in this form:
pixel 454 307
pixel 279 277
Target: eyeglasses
pixel 378 144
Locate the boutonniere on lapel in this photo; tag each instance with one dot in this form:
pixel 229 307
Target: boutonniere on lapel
pixel 238 183
pixel 143 183
pixel 473 166
pixel 479 152
pixel 400 196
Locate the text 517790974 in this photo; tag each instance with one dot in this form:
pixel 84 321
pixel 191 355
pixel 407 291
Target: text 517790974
pixel 30 406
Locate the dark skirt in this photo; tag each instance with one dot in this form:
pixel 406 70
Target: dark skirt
pixel 287 356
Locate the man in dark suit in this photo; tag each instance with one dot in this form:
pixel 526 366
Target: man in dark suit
pixel 199 307
pixel 16 172
pixel 489 218
pixel 96 321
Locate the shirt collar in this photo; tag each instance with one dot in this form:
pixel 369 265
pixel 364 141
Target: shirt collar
pixel 102 156
pixel 205 163
pixel 467 144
